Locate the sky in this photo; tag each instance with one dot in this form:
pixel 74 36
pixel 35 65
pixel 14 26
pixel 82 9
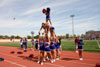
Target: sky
pixel 28 16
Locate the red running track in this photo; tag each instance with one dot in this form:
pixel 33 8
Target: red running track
pixel 68 59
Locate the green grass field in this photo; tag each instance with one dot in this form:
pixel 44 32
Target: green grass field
pixel 89 45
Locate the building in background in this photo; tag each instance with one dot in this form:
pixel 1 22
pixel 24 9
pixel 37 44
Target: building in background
pixel 92 35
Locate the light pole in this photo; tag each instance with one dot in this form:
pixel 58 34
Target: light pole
pixel 32 32
pixel 72 24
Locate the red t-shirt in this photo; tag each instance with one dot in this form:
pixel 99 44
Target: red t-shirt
pixel 76 41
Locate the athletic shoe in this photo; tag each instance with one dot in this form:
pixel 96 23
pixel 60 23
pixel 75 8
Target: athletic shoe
pixel 47 58
pixel 51 61
pixel 41 63
pixel 81 58
pixel 38 62
pixel 54 60
pixel 57 58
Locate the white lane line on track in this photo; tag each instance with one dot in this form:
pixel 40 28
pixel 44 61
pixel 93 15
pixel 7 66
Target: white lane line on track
pixel 63 54
pixel 84 59
pixel 25 66
pixel 54 65
pixel 11 62
pixel 83 53
pixel 79 63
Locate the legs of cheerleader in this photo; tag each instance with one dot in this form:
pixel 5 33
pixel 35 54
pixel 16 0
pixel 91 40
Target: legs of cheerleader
pixel 80 50
pixel 76 48
pixel 49 54
pixel 58 52
pixel 44 55
pixel 80 54
pixel 25 46
pixel 52 34
pixel 38 56
pixel 46 32
pixel 32 46
pixel 48 19
pixel 53 52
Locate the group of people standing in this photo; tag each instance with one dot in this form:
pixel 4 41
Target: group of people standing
pixel 23 42
pixel 49 46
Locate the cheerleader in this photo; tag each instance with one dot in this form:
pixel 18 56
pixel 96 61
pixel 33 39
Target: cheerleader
pixel 53 49
pixel 47 49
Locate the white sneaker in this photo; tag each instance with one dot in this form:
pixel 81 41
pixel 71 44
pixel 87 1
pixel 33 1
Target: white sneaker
pixel 38 62
pixel 41 63
pixel 51 61
pixel 54 60
pixel 47 58
pixel 57 58
pixel 81 58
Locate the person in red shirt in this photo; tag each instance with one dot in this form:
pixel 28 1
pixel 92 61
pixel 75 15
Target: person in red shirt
pixel 76 44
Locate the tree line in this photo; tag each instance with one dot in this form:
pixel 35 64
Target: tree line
pixel 16 37
pixel 66 36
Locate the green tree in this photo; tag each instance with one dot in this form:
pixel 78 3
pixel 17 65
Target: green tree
pixel 74 35
pixel 71 36
pixel 36 37
pixel 82 35
pixel 17 37
pixel 6 37
pixel 12 37
pixel 29 37
pixel 67 35
pixel 1 36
